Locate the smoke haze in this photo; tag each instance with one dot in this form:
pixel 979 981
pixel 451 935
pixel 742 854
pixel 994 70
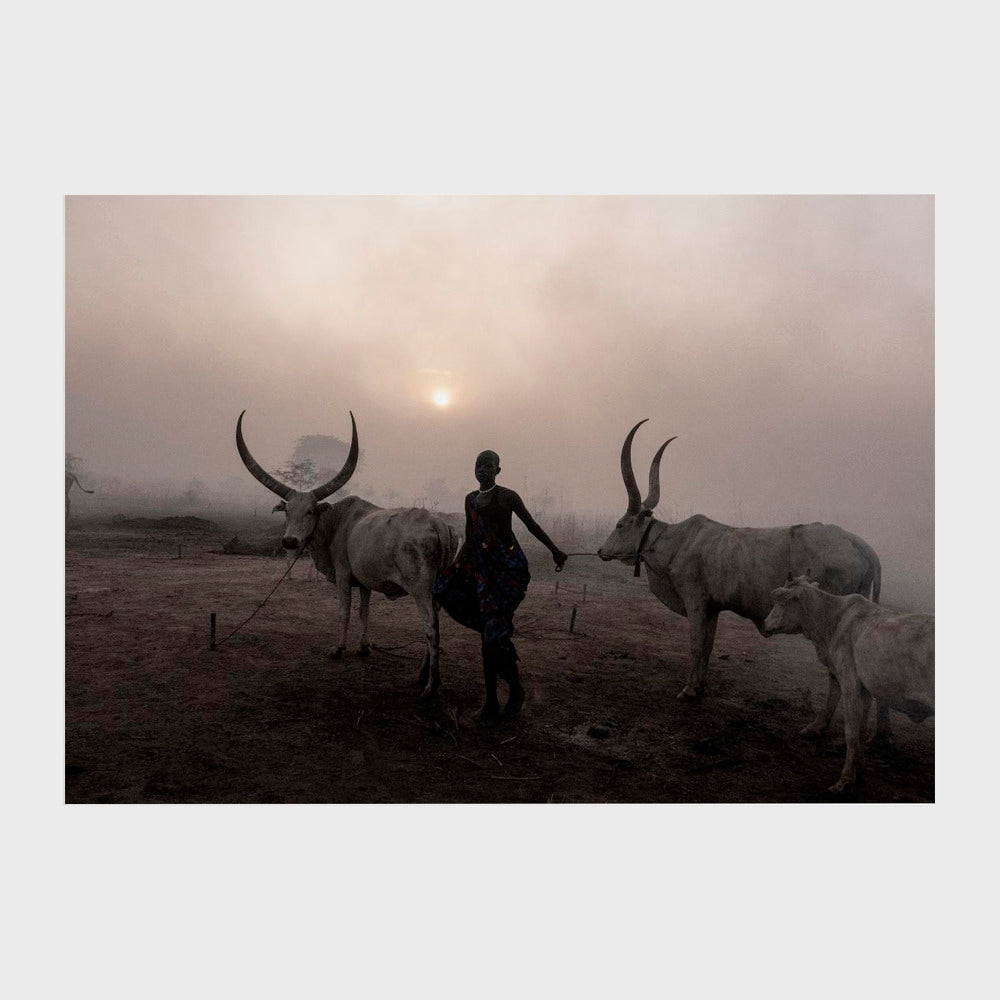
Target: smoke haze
pixel 788 342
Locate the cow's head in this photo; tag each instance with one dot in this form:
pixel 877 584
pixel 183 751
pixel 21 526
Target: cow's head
pixel 301 508
pixel 623 543
pixel 790 607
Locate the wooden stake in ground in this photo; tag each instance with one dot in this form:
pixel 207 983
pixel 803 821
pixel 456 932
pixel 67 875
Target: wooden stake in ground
pixel 211 644
pixel 572 618
pixel 584 593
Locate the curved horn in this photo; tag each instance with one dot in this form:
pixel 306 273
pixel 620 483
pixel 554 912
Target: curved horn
pixel 321 492
pixel 261 475
pixel 631 488
pixel 653 496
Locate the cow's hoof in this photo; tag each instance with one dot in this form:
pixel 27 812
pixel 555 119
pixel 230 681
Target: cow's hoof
pixel 841 786
pixel 364 649
pixel 336 654
pixel 514 703
pixel 812 731
pixel 428 693
pixel 688 693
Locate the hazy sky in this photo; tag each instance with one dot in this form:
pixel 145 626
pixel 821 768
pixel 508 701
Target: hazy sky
pixel 787 341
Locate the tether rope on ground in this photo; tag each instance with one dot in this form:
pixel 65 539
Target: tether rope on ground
pixel 381 649
pixel 262 603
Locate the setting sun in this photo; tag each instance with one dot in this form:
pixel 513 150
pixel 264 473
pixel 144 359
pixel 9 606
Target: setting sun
pixel 441 397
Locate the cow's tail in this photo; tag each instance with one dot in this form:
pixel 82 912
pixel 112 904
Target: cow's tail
pixel 449 542
pixel 78 483
pixel 875 566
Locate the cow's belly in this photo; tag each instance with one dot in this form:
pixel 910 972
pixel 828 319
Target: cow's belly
pixel 378 579
pixel 902 681
pixel 918 707
pixel 391 590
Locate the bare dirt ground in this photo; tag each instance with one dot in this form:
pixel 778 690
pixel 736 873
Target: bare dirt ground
pixel 153 716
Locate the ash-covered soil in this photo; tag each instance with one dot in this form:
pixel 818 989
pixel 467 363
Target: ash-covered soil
pixel 153 716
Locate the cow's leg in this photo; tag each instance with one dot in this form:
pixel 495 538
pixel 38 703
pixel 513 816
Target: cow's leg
pixel 883 727
pixel 432 634
pixel 703 624
pixel 821 723
pixel 857 701
pixel 344 601
pixel 365 599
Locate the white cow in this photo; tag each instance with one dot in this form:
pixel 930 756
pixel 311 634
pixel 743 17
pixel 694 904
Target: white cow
pixel 870 652
pixel 699 567
pixel 354 543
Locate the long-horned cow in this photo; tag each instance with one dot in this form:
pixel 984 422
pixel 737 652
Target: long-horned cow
pixel 699 567
pixel 870 652
pixel 70 480
pixel 354 543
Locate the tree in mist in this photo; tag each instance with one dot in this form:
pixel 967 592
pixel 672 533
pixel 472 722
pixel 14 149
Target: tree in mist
pixel 329 454
pixel 438 495
pixel 299 474
pixel 324 454
pixel 194 495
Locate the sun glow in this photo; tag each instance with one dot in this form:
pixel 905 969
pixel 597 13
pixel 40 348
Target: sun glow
pixel 441 397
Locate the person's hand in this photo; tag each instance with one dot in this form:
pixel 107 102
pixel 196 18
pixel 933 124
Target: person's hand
pixel 560 558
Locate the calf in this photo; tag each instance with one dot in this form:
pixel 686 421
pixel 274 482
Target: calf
pixel 870 652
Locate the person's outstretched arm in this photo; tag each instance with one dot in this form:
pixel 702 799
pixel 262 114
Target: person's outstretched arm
pixel 517 506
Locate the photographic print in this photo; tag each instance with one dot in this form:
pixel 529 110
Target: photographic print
pixel 617 499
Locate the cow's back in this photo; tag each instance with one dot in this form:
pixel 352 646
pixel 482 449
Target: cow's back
pixel 841 563
pixel 894 658
pixel 741 567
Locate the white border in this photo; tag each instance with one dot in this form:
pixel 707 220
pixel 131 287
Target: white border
pixel 546 98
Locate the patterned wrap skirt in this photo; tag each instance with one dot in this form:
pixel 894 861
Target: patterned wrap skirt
pixel 483 588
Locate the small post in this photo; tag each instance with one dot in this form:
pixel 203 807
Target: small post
pixel 211 644
pixel 557 586
pixel 572 619
pixel 584 593
pixel 178 552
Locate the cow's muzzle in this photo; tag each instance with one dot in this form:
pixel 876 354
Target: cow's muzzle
pixel 290 543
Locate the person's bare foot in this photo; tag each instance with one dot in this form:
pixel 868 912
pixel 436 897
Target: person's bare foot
pixel 514 702
pixel 490 712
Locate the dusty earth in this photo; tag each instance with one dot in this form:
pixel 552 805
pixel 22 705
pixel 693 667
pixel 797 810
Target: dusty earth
pixel 152 715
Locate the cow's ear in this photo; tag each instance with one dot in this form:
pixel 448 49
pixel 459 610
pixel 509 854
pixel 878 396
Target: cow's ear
pixel 278 506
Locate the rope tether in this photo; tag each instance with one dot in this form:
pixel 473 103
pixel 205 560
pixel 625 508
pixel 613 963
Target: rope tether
pixel 266 599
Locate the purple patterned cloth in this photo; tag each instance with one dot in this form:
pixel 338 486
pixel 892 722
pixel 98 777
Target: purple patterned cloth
pixel 483 587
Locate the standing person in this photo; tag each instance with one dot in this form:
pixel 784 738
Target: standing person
pixel 483 587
